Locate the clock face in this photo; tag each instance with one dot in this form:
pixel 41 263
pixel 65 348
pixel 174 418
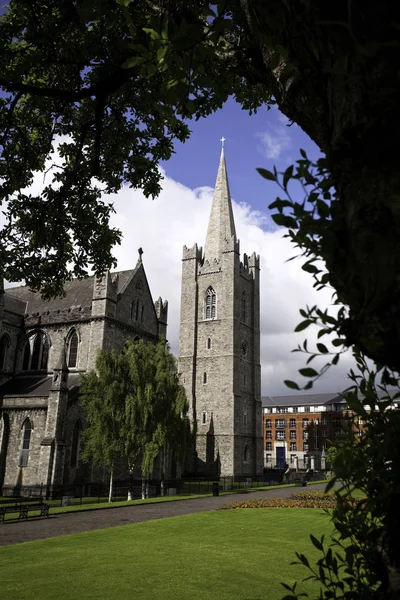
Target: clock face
pixel 244 348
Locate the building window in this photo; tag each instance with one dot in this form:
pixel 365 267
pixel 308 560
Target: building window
pixel 315 433
pixel 268 446
pixel 305 423
pixel 305 435
pixel 245 417
pixel 324 433
pixel 246 454
pixel 293 435
pixel 73 349
pixel 316 421
pixel 243 308
pixel 268 423
pixel 137 310
pixel 268 435
pixel 268 458
pixel 293 447
pixel 76 442
pixel 4 345
pixel 132 309
pixel 337 422
pixel 141 313
pixel 292 457
pixel 37 360
pixel 209 344
pixel 244 380
pixel 26 442
pixel 204 377
pixel 283 409
pixel 292 423
pixel 280 435
pixel 203 417
pixel 211 304
pixel 323 420
pixel 280 423
pixel 305 447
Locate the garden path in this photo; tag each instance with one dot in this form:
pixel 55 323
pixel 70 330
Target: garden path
pixel 76 522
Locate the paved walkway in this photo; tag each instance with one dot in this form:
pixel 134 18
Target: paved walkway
pixel 64 524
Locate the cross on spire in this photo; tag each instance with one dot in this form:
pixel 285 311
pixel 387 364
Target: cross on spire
pixel 222 140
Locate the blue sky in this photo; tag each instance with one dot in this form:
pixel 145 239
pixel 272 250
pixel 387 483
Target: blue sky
pixel 263 139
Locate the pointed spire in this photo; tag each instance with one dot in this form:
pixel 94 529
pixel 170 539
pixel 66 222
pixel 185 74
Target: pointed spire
pixel 221 226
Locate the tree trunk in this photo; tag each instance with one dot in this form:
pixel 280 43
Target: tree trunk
pixel 110 489
pixel 143 488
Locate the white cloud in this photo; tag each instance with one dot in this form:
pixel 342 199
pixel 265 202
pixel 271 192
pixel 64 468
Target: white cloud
pixel 179 217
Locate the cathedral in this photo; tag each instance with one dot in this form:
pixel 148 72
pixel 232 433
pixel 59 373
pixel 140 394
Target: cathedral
pixel 45 346
pixel 219 354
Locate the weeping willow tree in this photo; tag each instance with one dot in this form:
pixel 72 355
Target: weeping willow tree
pixel 135 409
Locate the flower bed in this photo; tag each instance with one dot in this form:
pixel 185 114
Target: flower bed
pixel 311 499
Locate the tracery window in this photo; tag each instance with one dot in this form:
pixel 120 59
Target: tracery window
pixel 211 303
pixel 36 353
pixel 246 454
pixel 73 349
pixel 4 345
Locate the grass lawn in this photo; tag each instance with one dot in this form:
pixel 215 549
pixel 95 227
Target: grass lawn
pixel 225 555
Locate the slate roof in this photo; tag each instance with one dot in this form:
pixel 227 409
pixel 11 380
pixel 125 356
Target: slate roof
pixel 301 400
pixel 33 385
pixel 78 292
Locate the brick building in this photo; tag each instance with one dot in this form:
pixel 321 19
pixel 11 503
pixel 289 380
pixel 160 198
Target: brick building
pixel 44 348
pixel 297 428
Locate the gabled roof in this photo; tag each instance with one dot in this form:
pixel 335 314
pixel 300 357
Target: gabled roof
pixel 78 292
pixel 33 385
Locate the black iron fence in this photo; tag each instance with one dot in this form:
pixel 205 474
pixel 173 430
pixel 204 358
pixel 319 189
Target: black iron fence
pixel 95 492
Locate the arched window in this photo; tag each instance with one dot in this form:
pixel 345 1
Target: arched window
pixel 76 443
pixel 204 377
pixel 137 310
pixel 246 454
pixel 243 308
pixel 141 313
pixel 132 309
pixel 209 343
pixel 4 345
pixel 211 303
pixel 37 359
pixel 73 349
pixel 26 442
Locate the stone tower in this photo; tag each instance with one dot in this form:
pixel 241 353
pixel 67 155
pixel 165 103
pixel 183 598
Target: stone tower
pixel 219 355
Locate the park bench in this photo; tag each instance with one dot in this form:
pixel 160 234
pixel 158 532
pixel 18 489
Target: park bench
pixel 23 507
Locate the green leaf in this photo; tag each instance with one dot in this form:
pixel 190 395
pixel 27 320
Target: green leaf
pixel 287 175
pixel 266 174
pixel 303 325
pixel 308 372
pixel 303 154
pixel 291 384
pixel 322 348
pixel 316 543
pixel 152 33
pixel 338 342
pixel 309 267
pixel 132 62
pixel 124 2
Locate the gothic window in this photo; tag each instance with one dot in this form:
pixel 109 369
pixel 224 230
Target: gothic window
pixel 246 454
pixel 243 308
pixel 132 309
pixel 211 304
pixel 76 439
pixel 141 313
pixel 208 344
pixel 4 344
pixel 73 349
pixel 26 442
pixel 203 417
pixel 137 310
pixel 204 377
pixel 37 359
pixel 245 417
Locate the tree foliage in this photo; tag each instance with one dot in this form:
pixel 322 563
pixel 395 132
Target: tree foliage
pixel 135 407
